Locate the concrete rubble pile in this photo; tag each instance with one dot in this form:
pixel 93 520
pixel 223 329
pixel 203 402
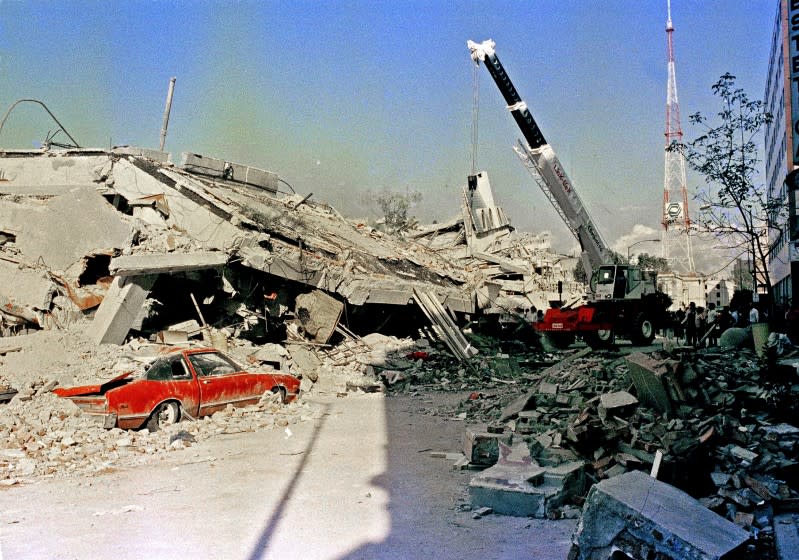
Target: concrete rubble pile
pixel 720 426
pixel 130 243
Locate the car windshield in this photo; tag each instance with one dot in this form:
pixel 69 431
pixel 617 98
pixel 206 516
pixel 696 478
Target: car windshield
pixel 605 274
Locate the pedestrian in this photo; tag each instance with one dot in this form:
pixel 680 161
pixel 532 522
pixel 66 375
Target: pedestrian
pixel 690 325
pixel 754 314
pixel 679 317
pixel 712 324
pixel 700 324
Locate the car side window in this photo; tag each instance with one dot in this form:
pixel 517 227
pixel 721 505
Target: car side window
pixel 166 368
pixel 179 369
pixel 212 364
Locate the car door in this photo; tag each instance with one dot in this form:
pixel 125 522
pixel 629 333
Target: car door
pixel 221 381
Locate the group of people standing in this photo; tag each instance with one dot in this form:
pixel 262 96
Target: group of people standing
pixel 699 326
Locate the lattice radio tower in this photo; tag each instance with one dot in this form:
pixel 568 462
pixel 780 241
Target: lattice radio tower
pixel 676 242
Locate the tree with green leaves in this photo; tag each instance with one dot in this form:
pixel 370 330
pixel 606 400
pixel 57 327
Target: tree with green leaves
pixel 395 207
pixel 734 206
pixel 651 262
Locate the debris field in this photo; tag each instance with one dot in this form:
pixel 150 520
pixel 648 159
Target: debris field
pixel 109 256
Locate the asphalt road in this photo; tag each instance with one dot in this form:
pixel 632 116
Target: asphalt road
pixel 357 483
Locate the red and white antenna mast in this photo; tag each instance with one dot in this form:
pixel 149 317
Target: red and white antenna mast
pixel 676 242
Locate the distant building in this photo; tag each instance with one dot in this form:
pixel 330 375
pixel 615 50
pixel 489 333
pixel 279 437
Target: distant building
pixel 719 292
pixel 683 289
pixel 696 288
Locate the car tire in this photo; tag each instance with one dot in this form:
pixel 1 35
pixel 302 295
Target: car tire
pixel 165 414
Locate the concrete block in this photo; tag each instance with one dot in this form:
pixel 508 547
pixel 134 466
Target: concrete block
pixel 318 313
pixel 518 486
pixel 619 403
pixel 482 447
pixel 644 518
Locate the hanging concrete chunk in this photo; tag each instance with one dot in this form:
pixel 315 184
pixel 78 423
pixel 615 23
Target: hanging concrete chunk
pixel 318 313
pixel 120 309
pixel 24 292
pixel 644 518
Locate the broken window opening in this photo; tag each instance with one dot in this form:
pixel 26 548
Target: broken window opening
pixel 7 237
pixel 96 268
pixel 119 202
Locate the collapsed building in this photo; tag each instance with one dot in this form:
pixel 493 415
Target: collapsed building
pixel 134 243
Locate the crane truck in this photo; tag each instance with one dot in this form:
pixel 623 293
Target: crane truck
pixel 623 300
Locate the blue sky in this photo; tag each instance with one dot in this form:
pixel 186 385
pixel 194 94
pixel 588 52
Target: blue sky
pixel 345 99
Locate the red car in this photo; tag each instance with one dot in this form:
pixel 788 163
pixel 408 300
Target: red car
pixel 191 382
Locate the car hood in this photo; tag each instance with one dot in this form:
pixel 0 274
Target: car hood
pixel 100 388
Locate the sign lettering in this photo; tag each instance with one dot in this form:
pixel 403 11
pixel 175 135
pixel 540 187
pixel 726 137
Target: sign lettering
pixel 793 67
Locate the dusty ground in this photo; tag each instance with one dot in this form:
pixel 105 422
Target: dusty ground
pixel 355 479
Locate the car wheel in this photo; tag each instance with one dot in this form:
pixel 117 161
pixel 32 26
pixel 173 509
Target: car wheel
pixel 165 414
pixel 282 392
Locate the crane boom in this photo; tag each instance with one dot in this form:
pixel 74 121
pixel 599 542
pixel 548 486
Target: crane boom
pixel 541 161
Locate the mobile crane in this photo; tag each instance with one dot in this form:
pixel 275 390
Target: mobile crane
pixel 623 300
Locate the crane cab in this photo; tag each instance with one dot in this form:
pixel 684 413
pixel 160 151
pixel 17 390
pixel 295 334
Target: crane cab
pixel 619 281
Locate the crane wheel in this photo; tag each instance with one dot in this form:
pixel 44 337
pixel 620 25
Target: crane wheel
pixel 643 331
pixel 600 339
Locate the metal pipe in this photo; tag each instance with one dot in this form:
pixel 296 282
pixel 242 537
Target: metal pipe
pixel 167 109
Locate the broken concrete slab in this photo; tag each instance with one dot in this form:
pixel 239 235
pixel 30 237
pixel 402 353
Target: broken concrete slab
pixel 71 226
pixel 651 378
pixel 154 263
pixel 786 535
pixel 120 309
pixel 644 517
pixel 305 361
pixel 516 485
pixel 618 404
pixel 24 291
